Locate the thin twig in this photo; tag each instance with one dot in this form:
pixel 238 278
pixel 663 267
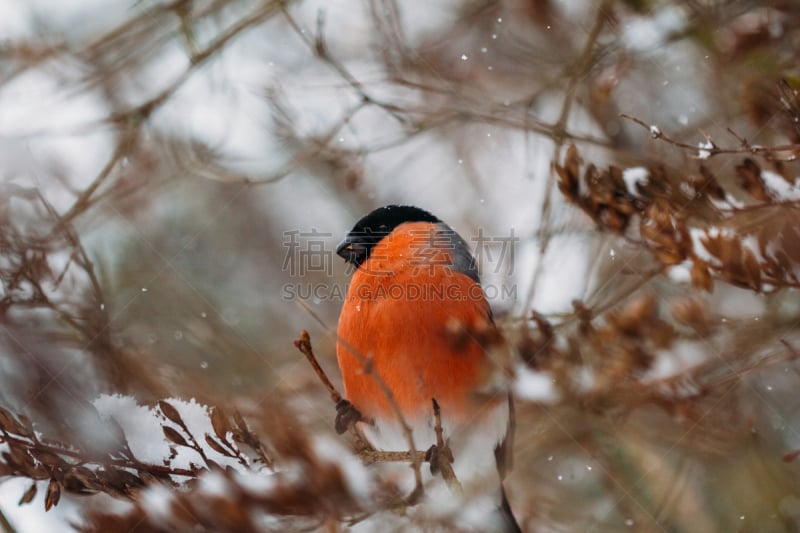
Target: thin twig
pixel 81 457
pixel 378 456
pixel 144 110
pixel 444 454
pixel 712 149
pixel 369 369
pixel 559 134
pixel 304 345
pixel 80 205
pixel 364 448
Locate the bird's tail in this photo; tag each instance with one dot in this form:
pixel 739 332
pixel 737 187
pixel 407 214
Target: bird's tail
pixel 510 524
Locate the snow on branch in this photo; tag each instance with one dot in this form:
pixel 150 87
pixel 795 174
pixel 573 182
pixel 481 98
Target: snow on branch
pixel 692 220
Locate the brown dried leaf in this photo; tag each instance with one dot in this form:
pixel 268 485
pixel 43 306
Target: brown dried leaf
pixel 778 234
pixel 170 412
pixel 29 495
pixel 545 327
pixel 26 427
pixel 712 244
pixel 47 458
pixel 701 277
pixel 81 480
pixel 173 435
pixel 649 230
pixel 534 350
pixel 220 423
pixel 18 456
pixel 216 446
pixel 7 421
pixel 128 480
pixel 749 178
pixel 758 96
pixel 584 315
pixel 614 177
pixel 213 465
pixel 118 480
pixel 594 183
pixel 750 268
pixel 668 256
pixel 147 477
pixel 613 219
pixel 783 171
pixel 569 177
pixel 53 495
pixel 629 320
pixel 709 185
pixel 240 423
pixel 730 251
pixel 692 312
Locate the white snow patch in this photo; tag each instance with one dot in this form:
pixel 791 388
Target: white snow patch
pixel 687 189
pixel 564 276
pixel 682 356
pixel 698 235
pixel 142 426
pixel 740 304
pixel 681 273
pixel 645 34
pixel 479 515
pixel 535 386
pixel 15 20
pixel 262 483
pixel 156 499
pixel 705 148
pixel 780 188
pixel 733 201
pixel 655 131
pixel 751 243
pixel 584 379
pixel 214 484
pixel 355 474
pixel 634 176
pixel 32 518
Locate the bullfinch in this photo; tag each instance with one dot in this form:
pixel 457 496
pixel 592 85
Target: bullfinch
pixel 415 285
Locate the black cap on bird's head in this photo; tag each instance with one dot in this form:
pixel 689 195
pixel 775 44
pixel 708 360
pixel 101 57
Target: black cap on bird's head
pixel 373 227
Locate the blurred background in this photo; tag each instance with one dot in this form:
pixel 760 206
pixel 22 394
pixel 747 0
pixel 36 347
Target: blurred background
pixel 176 176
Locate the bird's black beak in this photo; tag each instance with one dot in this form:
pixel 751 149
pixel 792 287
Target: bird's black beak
pixel 344 249
pixel 350 251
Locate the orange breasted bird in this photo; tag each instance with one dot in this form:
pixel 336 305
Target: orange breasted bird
pixel 407 336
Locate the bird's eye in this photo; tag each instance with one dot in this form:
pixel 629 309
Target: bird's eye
pixel 383 228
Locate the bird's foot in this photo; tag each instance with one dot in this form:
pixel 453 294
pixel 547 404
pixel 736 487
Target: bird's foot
pixel 437 457
pixel 346 414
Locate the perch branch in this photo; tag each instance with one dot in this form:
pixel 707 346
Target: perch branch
pixel 442 454
pixel 413 455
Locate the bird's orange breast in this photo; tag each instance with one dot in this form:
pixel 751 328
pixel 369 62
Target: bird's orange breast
pixel 397 323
